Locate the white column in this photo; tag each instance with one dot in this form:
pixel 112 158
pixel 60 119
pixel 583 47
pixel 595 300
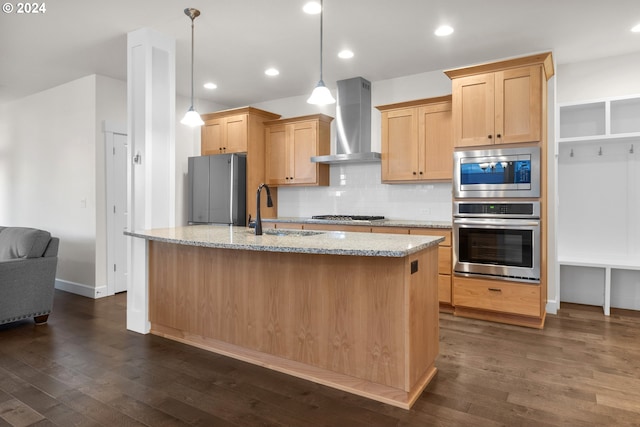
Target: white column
pixel 151 131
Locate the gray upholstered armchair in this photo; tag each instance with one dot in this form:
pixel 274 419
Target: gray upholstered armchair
pixel 28 262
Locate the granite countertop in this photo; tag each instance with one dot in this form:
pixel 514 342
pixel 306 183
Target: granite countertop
pixel 299 241
pixel 375 223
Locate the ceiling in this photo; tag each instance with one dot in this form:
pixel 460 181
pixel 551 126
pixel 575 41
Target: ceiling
pixel 236 40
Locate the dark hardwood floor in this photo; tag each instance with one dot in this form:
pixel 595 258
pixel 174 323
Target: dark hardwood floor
pixel 85 369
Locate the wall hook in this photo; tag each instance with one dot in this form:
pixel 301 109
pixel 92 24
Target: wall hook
pixel 600 152
pixel 631 149
pixel 571 153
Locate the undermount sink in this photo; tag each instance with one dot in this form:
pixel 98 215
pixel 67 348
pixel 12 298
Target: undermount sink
pixel 294 233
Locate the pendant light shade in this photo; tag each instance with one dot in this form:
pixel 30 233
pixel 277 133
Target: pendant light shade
pixel 321 94
pixel 192 118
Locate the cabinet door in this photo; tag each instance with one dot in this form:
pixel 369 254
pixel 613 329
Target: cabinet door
pixel 276 161
pixel 518 104
pixel 302 145
pixel 436 147
pixel 400 145
pixel 236 133
pixel 212 137
pixel 473 110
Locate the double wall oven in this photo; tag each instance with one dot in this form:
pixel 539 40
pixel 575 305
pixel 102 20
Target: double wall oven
pixel 496 233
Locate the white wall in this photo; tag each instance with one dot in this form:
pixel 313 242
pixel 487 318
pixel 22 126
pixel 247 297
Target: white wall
pixel 606 77
pixel 356 188
pixel 48 167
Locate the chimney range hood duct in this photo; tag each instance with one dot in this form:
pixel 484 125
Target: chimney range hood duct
pixel 353 124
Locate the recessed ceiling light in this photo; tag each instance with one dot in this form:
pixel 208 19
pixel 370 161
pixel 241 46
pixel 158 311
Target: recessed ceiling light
pixel 210 85
pixel 636 29
pixel 271 72
pixel 312 8
pixel 443 30
pixel 345 54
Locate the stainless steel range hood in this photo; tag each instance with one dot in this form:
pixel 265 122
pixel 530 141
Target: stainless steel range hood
pixel 353 124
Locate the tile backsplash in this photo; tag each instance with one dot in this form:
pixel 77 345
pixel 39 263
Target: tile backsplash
pixel 355 189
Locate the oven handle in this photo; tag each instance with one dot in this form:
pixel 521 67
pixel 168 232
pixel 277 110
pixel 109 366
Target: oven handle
pixel 497 222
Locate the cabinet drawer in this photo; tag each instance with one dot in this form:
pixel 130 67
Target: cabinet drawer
pixel 390 230
pixel 497 296
pixel 444 260
pixel 444 288
pixel 338 227
pixel 288 225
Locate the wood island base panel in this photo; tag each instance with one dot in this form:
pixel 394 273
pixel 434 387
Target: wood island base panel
pixel 367 325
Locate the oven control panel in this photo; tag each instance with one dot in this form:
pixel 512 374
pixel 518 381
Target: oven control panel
pixel 497 209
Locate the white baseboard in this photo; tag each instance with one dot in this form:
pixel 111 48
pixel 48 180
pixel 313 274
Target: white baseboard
pixel 552 306
pixel 81 289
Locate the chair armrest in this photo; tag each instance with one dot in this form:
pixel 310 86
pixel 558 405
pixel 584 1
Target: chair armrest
pixel 27 287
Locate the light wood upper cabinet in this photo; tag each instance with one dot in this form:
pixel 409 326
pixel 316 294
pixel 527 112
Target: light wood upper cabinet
pixel 500 103
pixel 225 135
pixel 417 142
pixel 289 146
pixel 474 116
pixel 241 130
pixel 277 160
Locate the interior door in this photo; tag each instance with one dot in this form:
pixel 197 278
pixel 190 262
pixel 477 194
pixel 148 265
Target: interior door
pixel 120 211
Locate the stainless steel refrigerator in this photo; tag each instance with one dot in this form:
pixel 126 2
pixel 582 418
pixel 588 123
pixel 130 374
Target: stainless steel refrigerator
pixel 217 189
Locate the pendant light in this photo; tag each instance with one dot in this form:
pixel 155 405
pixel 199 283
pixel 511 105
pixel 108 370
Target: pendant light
pixel 321 95
pixel 192 118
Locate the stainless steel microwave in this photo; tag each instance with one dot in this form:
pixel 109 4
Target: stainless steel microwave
pixel 501 173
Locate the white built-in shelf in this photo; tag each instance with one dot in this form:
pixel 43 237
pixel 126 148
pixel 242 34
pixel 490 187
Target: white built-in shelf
pixel 607 263
pixel 610 119
pixel 599 201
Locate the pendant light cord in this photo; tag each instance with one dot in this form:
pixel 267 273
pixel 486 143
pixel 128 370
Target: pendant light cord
pixel 192 50
pixel 321 33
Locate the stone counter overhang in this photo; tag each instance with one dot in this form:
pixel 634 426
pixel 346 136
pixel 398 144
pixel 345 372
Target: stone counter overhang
pixel 374 223
pixel 322 243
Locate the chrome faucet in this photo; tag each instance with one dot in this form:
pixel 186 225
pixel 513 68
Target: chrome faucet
pixel 269 205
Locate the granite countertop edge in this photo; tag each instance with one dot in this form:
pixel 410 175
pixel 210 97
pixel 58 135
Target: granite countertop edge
pixel 325 243
pixel 375 223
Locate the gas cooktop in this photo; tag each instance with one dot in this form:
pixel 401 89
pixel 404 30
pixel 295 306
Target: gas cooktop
pixel 348 217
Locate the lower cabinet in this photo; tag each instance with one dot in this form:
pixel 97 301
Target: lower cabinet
pixel 445 266
pixel 501 301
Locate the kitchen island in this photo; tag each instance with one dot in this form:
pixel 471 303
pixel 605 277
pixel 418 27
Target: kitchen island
pixel 354 311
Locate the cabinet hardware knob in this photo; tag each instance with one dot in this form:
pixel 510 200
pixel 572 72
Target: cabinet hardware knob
pixel 498 136
pixel 489 136
pixel 420 172
pixel 495 289
pixel 414 173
